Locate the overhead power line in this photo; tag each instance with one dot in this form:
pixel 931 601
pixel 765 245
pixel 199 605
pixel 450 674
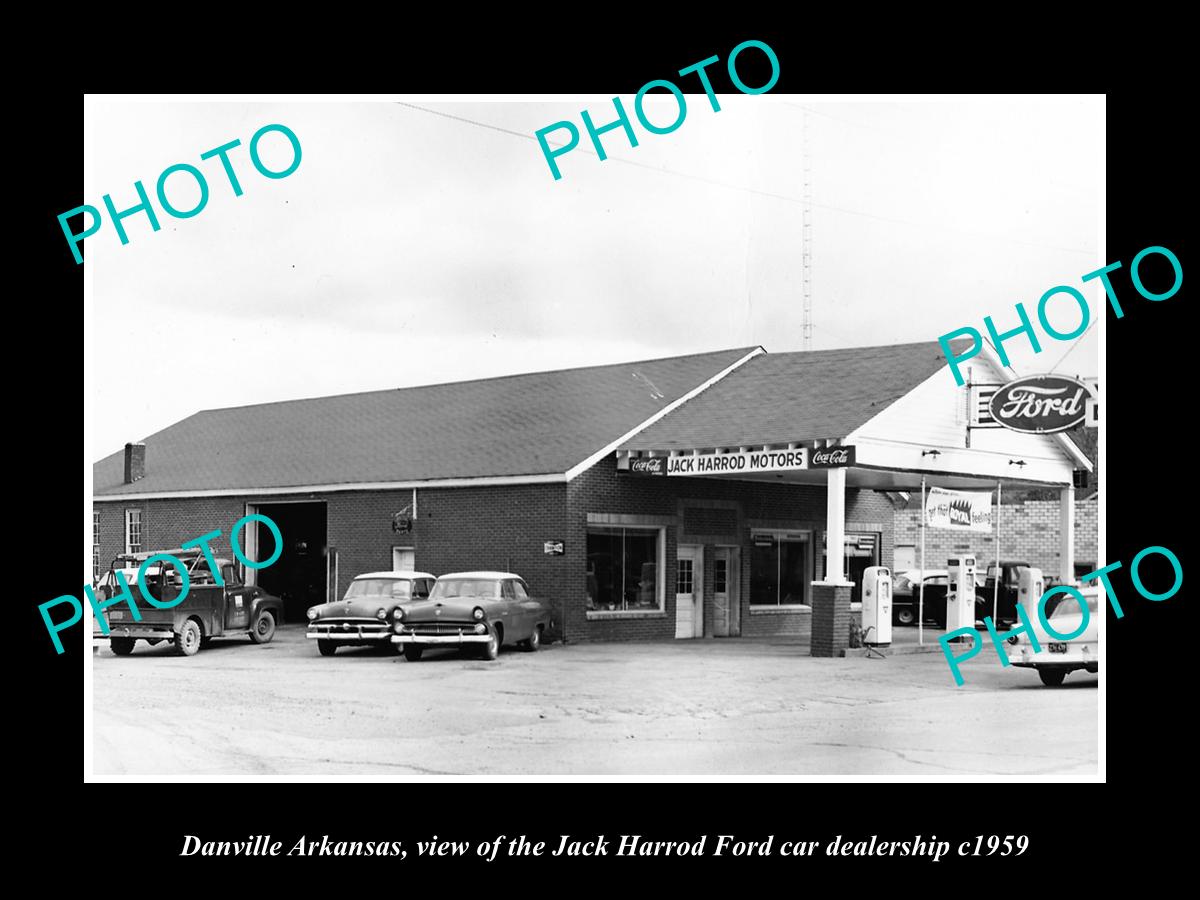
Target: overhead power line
pixel 799 201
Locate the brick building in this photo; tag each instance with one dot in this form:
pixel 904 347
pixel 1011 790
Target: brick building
pixel 682 497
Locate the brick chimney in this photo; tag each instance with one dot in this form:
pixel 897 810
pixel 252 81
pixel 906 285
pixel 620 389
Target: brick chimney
pixel 135 462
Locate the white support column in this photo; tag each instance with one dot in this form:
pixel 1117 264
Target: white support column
pixel 1066 534
pixel 835 526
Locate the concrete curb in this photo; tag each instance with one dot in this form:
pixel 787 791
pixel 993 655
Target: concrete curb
pixel 902 650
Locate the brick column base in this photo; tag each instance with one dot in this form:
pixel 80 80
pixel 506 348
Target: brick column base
pixel 830 619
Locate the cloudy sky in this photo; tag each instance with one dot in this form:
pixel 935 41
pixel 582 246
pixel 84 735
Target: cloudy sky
pixel 431 244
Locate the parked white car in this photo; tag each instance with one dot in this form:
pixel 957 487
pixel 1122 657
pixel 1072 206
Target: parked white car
pixel 1057 657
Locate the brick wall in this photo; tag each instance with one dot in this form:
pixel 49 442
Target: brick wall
pixel 1029 532
pixel 505 527
pixel 456 529
pixel 757 505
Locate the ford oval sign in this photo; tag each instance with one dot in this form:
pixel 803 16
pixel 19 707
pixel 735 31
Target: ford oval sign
pixel 1040 404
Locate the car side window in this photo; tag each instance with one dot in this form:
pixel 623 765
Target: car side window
pixel 507 591
pixel 231 575
pixel 519 589
pixel 420 589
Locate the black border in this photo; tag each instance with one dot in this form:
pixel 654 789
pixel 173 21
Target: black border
pixel 1146 393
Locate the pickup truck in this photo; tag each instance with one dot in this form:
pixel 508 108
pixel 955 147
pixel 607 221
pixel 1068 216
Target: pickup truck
pixel 208 611
pixel 1006 598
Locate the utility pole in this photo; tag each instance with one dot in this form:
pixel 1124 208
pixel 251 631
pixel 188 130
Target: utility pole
pixel 806 234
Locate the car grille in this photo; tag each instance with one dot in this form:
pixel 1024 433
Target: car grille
pixel 349 626
pixel 435 628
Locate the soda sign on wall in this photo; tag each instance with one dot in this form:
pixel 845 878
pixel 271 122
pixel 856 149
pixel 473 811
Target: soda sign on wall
pixel 1040 404
pixel 832 457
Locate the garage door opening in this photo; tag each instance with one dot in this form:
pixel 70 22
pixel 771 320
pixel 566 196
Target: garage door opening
pixel 298 577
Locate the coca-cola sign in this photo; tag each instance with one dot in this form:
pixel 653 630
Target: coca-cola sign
pixel 648 465
pixel 1040 404
pixel 832 457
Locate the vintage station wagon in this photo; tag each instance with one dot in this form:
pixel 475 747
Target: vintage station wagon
pixel 208 611
pixel 362 616
pixel 478 610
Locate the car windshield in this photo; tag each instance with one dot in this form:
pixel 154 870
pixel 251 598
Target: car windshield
pixel 379 587
pixel 903 585
pixel 450 588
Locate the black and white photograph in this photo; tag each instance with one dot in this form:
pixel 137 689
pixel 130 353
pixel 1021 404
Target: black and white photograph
pixel 479 438
pixel 519 436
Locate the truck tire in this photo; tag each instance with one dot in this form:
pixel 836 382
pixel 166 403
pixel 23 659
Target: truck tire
pixel 121 646
pixel 326 648
pixel 1052 677
pixel 905 616
pixel 263 628
pixel 187 640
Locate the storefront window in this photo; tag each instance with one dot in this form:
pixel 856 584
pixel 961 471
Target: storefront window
pixel 780 569
pixel 861 551
pixel 622 568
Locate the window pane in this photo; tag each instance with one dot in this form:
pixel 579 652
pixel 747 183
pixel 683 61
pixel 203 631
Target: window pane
pixel 622 568
pixel 764 572
pixel 793 571
pixel 720 576
pixel 683 576
pixel 520 590
pixel 133 530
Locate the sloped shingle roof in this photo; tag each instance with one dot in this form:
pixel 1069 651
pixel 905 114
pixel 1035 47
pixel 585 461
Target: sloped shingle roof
pixel 810 395
pixel 541 423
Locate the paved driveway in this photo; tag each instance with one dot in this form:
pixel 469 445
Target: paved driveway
pixel 719 708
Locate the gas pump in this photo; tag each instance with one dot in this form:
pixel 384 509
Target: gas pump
pixel 960 595
pixel 877 606
pixel 1030 587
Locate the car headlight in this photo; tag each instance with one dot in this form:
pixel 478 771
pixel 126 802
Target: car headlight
pixel 381 613
pixel 1014 639
pixel 477 612
pixel 398 614
pixel 312 612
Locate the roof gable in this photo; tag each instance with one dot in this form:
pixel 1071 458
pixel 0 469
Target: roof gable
pixel 793 397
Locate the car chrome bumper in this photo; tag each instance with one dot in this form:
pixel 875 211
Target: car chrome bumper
pixel 135 631
pixel 441 638
pixel 336 633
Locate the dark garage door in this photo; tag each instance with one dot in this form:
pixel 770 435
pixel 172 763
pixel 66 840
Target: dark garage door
pixel 298 576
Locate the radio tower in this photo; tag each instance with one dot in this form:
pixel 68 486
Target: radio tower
pixel 806 234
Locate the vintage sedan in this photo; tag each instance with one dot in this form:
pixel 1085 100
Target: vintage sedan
pixel 1059 657
pixel 473 610
pixel 208 610
pixel 362 616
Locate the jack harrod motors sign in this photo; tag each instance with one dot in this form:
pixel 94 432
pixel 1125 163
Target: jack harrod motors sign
pixel 1040 404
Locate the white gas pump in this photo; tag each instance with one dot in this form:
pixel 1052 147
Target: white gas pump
pixel 877 606
pixel 960 595
pixel 1031 584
